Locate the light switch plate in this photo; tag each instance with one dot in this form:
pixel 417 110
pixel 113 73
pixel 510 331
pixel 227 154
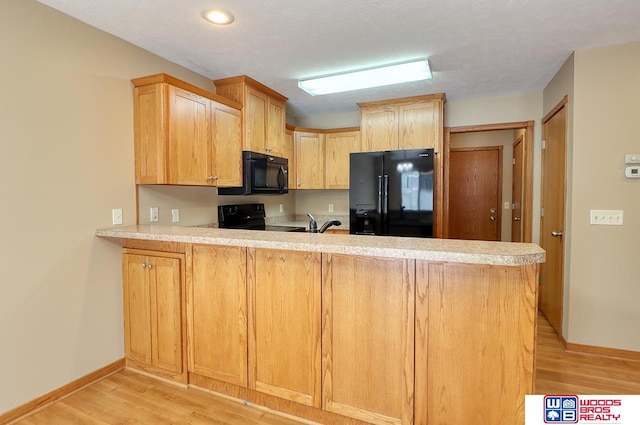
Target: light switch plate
pixel 153 214
pixel 632 158
pixel 116 216
pixel 607 217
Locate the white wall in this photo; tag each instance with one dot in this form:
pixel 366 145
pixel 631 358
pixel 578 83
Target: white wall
pixel 66 115
pixel 604 299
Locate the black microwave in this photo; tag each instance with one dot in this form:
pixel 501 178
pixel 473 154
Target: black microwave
pixel 261 175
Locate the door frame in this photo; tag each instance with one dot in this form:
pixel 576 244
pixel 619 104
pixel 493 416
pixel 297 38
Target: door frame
pixel 518 141
pixel 527 204
pixel 500 150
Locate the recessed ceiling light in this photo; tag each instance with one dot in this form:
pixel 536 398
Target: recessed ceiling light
pixel 218 17
pixel 362 79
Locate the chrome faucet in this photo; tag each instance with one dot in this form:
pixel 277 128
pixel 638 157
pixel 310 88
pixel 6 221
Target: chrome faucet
pixel 313 224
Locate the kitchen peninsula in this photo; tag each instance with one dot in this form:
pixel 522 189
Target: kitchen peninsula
pixel 339 329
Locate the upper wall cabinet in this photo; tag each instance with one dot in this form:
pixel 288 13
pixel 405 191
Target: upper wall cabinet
pixel 407 123
pixel 263 113
pixel 309 159
pixel 185 135
pixel 338 144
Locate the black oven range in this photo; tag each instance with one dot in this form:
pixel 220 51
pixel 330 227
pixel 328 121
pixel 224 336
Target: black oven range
pixel 249 217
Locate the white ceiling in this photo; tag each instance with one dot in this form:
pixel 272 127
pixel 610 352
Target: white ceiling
pixel 476 48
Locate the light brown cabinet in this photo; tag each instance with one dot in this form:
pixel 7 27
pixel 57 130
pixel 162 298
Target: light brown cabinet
pixel 284 324
pixel 217 313
pixel 309 160
pixel 368 338
pixel 153 313
pixel 407 123
pixel 289 153
pixel 263 113
pixel 338 145
pixel 185 135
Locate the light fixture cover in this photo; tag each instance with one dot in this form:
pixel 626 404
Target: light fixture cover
pixel 362 79
pixel 218 17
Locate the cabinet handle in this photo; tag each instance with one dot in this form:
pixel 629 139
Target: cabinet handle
pixel 212 178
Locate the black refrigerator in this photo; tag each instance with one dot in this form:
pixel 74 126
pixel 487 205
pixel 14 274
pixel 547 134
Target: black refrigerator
pixel 391 193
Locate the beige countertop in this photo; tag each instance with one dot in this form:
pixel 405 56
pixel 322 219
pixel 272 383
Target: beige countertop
pixel 447 250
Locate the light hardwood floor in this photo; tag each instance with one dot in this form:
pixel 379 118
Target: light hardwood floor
pixel 128 398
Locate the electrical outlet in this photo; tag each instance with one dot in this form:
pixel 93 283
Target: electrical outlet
pixel 607 217
pixel 116 216
pixel 330 207
pixel 153 214
pixel 281 208
pixel 175 215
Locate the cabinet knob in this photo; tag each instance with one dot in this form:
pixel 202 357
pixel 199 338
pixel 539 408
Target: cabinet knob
pixel 150 266
pixel 143 265
pixel 212 178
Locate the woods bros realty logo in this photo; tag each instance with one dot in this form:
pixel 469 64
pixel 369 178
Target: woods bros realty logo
pixel 571 409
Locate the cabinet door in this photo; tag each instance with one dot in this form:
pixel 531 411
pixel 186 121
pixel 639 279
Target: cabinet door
pixel 289 154
pixel 166 313
pixel 284 330
pixel 217 313
pixel 275 127
pixel 189 138
pixel 368 338
pixel 226 129
pixel 137 308
pixel 419 125
pixel 309 151
pixel 379 126
pixel 338 146
pixel 255 120
pixel 150 144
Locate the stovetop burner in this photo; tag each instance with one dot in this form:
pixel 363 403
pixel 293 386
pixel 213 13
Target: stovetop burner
pixel 250 217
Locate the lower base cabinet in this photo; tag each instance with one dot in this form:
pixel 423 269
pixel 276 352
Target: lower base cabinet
pixel 284 324
pixel 368 338
pixel 153 312
pixel 337 338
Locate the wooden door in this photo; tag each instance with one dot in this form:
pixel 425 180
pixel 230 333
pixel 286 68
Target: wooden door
pixel 368 338
pixel 217 313
pixel 166 313
pixel 255 121
pixel 419 125
pixel 379 126
pixel 189 138
pixel 150 134
pixel 338 146
pixel 309 151
pixel 275 127
pixel 475 188
pixel 516 190
pixel 226 159
pixel 137 308
pixel 284 324
pixel 554 134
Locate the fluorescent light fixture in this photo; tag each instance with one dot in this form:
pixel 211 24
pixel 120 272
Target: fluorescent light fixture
pixel 374 77
pixel 218 17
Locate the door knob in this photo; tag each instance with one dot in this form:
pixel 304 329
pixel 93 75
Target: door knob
pixel 556 234
pixel 492 218
pixel 516 218
pixel 492 210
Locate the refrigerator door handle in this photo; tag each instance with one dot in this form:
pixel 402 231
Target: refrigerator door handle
pixel 385 204
pixel 379 206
